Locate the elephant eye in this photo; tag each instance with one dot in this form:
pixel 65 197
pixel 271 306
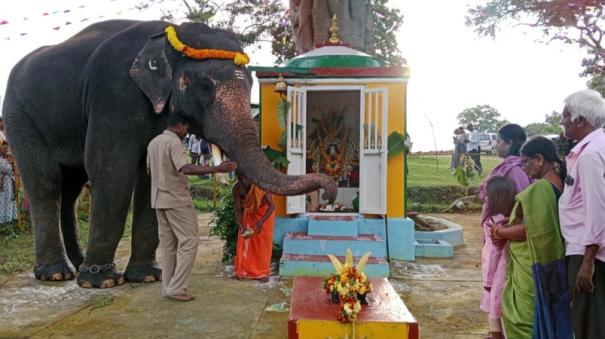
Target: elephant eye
pixel 207 85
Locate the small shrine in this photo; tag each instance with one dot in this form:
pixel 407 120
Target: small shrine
pixel 338 111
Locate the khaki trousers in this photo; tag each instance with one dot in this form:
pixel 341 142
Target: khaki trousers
pixel 178 231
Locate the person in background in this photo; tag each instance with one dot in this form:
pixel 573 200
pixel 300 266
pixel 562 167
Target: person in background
pixel 2 132
pixel 509 140
pixel 472 146
pixel 178 228
pixel 535 299
pixel 581 210
pixel 459 138
pixel 194 149
pixel 254 212
pixel 8 205
pixel 501 196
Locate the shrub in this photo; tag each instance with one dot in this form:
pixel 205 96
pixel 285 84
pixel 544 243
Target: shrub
pixel 225 227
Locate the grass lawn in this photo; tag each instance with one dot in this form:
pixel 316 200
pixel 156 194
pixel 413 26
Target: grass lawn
pixel 17 245
pixel 434 170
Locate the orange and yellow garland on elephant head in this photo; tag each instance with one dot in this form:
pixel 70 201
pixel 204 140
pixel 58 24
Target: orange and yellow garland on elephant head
pixel 239 58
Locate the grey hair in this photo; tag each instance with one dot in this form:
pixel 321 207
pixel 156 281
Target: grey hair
pixel 588 104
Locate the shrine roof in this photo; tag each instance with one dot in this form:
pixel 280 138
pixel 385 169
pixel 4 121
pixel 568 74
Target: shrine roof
pixel 334 56
pixel 332 61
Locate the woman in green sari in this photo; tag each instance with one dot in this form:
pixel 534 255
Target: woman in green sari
pixel 535 299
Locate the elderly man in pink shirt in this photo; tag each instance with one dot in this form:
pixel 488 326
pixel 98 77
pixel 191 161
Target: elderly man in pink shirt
pixel 581 211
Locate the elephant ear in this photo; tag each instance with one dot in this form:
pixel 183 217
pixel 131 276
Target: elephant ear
pixel 152 72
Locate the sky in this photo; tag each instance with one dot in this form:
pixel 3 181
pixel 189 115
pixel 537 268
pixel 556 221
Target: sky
pixel 451 67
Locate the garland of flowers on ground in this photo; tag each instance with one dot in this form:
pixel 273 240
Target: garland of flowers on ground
pixel 348 286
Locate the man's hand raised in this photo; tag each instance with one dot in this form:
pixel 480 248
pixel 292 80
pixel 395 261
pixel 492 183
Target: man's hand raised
pixel 226 167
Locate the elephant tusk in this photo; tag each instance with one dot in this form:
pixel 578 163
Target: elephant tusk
pixel 217 159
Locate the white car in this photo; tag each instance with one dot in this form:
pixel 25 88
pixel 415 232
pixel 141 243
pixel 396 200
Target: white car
pixel 487 142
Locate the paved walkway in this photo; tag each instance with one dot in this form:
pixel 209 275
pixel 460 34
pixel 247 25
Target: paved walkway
pixel 442 293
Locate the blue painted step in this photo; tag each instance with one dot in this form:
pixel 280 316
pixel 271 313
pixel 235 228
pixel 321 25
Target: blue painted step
pixel 332 225
pixel 433 248
pixel 300 243
pixel 320 266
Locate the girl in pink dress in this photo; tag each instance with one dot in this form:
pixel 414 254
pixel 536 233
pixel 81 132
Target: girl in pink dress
pixel 500 201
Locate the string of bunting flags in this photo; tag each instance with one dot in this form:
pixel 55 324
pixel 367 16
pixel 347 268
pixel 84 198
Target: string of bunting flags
pixel 11 28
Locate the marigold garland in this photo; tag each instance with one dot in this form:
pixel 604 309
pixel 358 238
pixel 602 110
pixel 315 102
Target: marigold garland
pixel 349 286
pixel 238 58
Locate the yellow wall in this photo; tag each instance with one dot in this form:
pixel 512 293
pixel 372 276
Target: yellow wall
pixel 270 132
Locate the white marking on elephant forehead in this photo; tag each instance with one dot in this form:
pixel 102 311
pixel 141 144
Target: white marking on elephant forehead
pixel 240 74
pixel 153 65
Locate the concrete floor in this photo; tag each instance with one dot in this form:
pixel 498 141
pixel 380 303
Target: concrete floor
pixel 443 294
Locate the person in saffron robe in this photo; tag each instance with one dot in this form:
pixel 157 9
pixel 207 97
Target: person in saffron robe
pixel 535 299
pixel 254 212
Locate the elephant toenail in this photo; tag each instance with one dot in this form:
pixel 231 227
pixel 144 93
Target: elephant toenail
pixel 56 277
pixel 149 279
pixel 108 283
pixel 86 284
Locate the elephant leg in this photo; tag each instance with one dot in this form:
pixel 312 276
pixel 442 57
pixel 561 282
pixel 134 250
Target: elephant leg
pixel 73 181
pixel 112 181
pixel 41 177
pixel 142 266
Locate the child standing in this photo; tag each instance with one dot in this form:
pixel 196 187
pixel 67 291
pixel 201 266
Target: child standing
pixel 500 201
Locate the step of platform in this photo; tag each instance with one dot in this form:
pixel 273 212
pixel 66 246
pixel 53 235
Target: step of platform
pixel 433 248
pixel 313 316
pixel 333 225
pixel 301 243
pixel 319 265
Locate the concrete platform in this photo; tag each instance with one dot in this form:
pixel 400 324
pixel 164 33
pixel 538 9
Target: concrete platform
pixel 300 243
pixel 313 316
pixel 434 249
pixel 333 225
pixel 291 265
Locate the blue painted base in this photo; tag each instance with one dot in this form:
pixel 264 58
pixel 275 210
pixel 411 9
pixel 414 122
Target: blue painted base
pixel 401 238
pixel 299 243
pixel 343 228
pixel 453 235
pixel 286 225
pixel 293 268
pixel 434 249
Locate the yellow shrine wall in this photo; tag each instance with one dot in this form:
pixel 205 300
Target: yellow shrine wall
pixel 270 132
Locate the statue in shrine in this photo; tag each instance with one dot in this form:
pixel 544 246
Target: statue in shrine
pixel 332 147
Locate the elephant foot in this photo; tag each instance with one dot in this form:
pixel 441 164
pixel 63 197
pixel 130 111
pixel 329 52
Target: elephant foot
pixel 56 272
pixel 146 272
pixel 99 276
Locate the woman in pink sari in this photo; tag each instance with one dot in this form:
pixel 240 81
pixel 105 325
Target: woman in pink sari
pixel 508 144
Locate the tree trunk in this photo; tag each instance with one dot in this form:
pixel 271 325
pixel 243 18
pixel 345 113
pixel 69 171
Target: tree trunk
pixel 311 23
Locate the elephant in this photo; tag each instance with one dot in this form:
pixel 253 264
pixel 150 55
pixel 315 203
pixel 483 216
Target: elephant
pixel 85 109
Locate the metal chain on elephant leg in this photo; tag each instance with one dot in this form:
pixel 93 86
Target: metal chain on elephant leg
pixel 92 276
pixel 94 269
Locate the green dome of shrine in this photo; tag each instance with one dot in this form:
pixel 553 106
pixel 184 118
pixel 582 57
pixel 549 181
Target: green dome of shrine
pixel 334 57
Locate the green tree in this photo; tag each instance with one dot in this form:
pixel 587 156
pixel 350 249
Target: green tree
pixel 251 20
pixel 549 126
pixel 597 83
pixel 257 21
pixel 387 22
pixel 580 22
pixel 485 118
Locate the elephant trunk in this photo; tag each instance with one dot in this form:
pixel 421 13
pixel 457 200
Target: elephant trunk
pixel 234 131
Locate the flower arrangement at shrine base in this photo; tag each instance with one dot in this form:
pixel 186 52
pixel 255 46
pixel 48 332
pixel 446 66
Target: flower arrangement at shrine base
pixel 348 286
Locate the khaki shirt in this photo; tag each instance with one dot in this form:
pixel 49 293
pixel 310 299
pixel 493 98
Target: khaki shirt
pixel 166 155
